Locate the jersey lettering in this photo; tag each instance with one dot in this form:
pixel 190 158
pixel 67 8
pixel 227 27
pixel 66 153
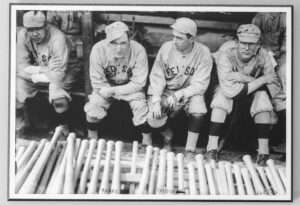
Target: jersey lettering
pixel 189 71
pixel 172 72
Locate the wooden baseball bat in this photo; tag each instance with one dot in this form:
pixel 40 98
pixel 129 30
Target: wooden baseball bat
pixel 33 178
pixel 282 176
pixel 145 173
pixel 271 165
pixel 79 161
pixel 229 177
pixel 116 180
pixel 223 181
pixel 258 186
pixel 161 178
pixel 238 179
pixel 26 156
pixel 264 180
pixel 180 168
pixel 133 165
pixel 56 168
pixel 77 146
pixel 20 152
pixel 151 186
pixel 85 171
pixel 23 173
pixel 48 170
pixel 271 180
pixel 69 175
pixel 95 174
pixel 192 180
pixel 210 179
pixel 203 187
pixel 104 187
pixel 170 173
pixel 247 180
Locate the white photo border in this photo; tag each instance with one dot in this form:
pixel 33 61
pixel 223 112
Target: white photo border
pixel 176 8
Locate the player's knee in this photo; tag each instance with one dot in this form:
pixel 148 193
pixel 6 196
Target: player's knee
pixel 222 103
pixel 61 105
pixel 92 119
pixel 218 115
pixel 156 123
pixel 261 103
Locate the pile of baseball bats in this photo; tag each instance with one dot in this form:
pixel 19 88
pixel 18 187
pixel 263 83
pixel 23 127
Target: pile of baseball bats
pixel 78 166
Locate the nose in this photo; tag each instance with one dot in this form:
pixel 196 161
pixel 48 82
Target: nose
pixel 246 46
pixel 35 32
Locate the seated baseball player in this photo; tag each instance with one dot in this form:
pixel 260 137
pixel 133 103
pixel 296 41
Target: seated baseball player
pixel 244 71
pixel 178 80
pixel 42 58
pixel 273 39
pixel 118 71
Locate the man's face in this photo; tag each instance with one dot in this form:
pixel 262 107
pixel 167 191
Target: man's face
pixel 37 34
pixel 120 46
pixel 181 41
pixel 246 50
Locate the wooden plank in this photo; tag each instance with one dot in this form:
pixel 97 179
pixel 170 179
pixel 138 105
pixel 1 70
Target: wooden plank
pixel 166 21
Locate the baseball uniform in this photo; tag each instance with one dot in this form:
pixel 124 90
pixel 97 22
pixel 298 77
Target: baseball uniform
pixel 273 39
pixel 107 71
pixel 53 54
pixel 260 64
pixel 173 71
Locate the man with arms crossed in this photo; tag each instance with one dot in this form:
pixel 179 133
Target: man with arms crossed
pixel 245 70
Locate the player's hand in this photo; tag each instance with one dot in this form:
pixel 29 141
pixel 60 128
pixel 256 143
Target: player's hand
pixel 269 78
pixel 107 92
pixel 171 103
pixel 156 110
pixel 236 77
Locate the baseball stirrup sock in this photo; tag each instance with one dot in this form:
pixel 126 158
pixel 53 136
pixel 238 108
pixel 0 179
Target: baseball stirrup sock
pixel 144 128
pixel 216 128
pixel 263 130
pixel 195 123
pixel 191 141
pixel 63 117
pixel 92 125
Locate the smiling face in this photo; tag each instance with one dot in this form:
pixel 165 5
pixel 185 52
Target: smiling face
pixel 246 50
pixel 37 34
pixel 182 43
pixel 120 46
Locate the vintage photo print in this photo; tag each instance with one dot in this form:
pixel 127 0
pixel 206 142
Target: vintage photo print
pixel 148 102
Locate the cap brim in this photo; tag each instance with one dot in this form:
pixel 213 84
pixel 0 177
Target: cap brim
pixel 248 39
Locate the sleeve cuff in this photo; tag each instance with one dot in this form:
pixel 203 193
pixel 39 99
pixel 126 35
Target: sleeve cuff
pixel 187 93
pixel 242 93
pixel 32 70
pixel 40 78
pixel 156 99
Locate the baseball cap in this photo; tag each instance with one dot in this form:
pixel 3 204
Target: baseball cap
pixel 185 25
pixel 34 19
pixel 115 30
pixel 248 33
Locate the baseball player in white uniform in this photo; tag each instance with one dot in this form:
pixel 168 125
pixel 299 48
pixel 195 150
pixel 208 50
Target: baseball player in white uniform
pixel 42 58
pixel 178 80
pixel 244 70
pixel 118 71
pixel 273 39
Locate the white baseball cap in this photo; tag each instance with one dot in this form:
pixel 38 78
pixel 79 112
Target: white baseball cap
pixel 186 26
pixel 115 30
pixel 34 19
pixel 248 33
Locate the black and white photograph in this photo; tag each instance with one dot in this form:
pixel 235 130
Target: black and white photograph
pixel 150 102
